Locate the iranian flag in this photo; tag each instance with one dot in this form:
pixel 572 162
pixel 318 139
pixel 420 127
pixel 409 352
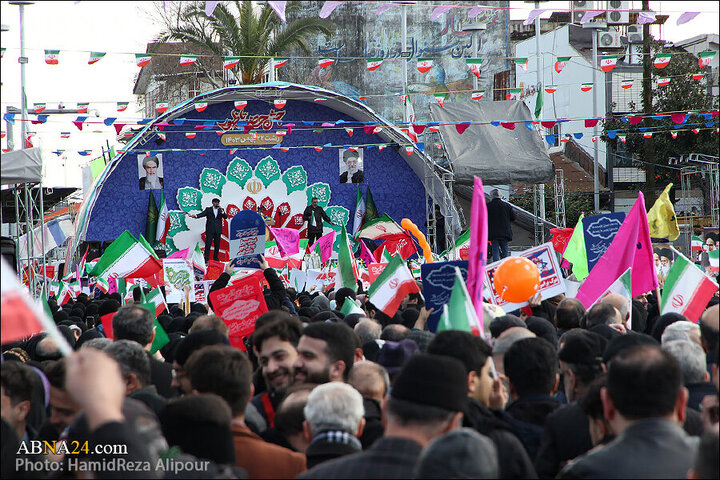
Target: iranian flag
pixel 350 307
pixel 687 289
pixel 626 84
pixel 696 244
pixel 279 103
pixel 346 273
pixel 103 285
pixel 82 107
pixel 64 294
pixel 477 94
pixel 201 106
pixel 75 288
pixel 608 62
pixel 359 211
pixel 704 58
pixel 474 65
pixel 713 259
pixel 325 62
pixel 142 59
pixel 279 62
pixel 550 88
pixel 459 313
pixel 462 247
pixel 586 87
pixel 38 107
pixel 440 98
pixel 374 63
pixel 561 63
pixel 663 82
pixel 127 257
pixel 521 62
pixel 424 64
pixel 187 59
pixel 161 107
pixel 230 62
pixel 163 225
pixel 156 298
pixel 393 284
pixel 513 92
pixel 662 60
pixel 240 104
pixel 52 57
pixel 95 57
pixel 379 227
pixel 698 76
pixel 122 106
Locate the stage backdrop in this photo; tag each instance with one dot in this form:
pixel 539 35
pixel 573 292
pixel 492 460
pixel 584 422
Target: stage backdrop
pixel 206 155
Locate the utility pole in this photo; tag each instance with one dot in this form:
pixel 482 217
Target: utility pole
pixel 649 150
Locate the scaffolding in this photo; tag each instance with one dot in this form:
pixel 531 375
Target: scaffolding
pixel 559 194
pixel 707 167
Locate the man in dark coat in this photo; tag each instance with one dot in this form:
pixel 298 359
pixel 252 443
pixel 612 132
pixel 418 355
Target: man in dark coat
pixel 213 227
pixel 483 389
pixel 314 215
pixel 500 214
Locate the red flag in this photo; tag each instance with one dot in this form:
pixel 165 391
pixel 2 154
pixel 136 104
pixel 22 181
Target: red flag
pixel 560 238
pixel 239 305
pixel 401 243
pixel 106 321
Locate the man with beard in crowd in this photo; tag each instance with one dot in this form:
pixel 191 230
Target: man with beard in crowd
pixel 275 345
pixel 326 353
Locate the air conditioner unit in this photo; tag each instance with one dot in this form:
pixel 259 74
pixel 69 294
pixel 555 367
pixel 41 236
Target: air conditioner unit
pixel 635 54
pixel 579 7
pixel 609 39
pixel 635 34
pixel 618 12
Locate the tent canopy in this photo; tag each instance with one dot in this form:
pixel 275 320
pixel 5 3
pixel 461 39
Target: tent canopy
pixel 496 154
pixel 21 166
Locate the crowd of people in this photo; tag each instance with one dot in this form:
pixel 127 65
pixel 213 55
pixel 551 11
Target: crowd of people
pixel 561 393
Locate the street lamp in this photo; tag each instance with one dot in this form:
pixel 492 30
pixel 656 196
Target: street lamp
pixel 595 27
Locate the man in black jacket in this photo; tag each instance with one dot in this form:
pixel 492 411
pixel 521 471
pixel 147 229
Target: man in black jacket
pixel 483 393
pixel 500 214
pixel 213 227
pixel 314 215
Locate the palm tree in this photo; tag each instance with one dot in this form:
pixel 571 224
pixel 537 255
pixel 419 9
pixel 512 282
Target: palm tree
pixel 245 31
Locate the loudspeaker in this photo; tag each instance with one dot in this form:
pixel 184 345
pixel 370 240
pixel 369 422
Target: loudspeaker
pixel 9 251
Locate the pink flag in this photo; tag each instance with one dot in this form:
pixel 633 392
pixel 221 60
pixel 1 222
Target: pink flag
pixel 279 8
pixel 180 253
pixel 325 243
pixel 619 257
pixel 686 17
pixel 365 254
pixel 287 240
pixel 478 250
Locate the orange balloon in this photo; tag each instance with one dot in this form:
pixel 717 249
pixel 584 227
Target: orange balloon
pixel 516 280
pixel 408 225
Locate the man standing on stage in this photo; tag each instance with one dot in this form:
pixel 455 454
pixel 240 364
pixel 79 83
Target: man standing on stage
pixel 213 227
pixel 315 215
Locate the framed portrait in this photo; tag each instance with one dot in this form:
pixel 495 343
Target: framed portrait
pixel 352 168
pixel 150 172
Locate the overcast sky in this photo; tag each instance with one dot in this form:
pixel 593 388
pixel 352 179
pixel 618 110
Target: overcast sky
pixel 124 27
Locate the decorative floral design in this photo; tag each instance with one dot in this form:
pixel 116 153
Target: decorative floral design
pixel 212 181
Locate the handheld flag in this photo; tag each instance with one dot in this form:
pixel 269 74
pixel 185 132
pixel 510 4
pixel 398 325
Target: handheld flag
pixel 687 290
pixel 661 217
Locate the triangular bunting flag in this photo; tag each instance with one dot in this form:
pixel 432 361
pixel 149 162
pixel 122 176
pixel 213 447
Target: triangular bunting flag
pixel 586 87
pixel 52 57
pixel 325 62
pixel 230 62
pixel 474 65
pixel 704 58
pixel 608 62
pixel 374 63
pixel 662 60
pixel 142 59
pixel 561 63
pixel 550 88
pixel 95 57
pixel 663 82
pixel 521 62
pixel 476 95
pixel 424 64
pixel 122 106
pixel 187 59
pixel 440 97
pixel 279 62
pixel 626 84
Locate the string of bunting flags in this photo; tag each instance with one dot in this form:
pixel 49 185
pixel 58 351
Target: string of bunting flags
pixel 423 64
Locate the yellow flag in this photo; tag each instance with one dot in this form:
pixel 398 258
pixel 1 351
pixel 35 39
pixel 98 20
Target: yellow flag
pixel 661 218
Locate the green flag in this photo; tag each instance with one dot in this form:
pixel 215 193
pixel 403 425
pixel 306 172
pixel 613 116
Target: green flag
pixel 539 102
pixel 371 212
pixel 152 219
pixel 575 252
pixel 97 166
pixel 459 312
